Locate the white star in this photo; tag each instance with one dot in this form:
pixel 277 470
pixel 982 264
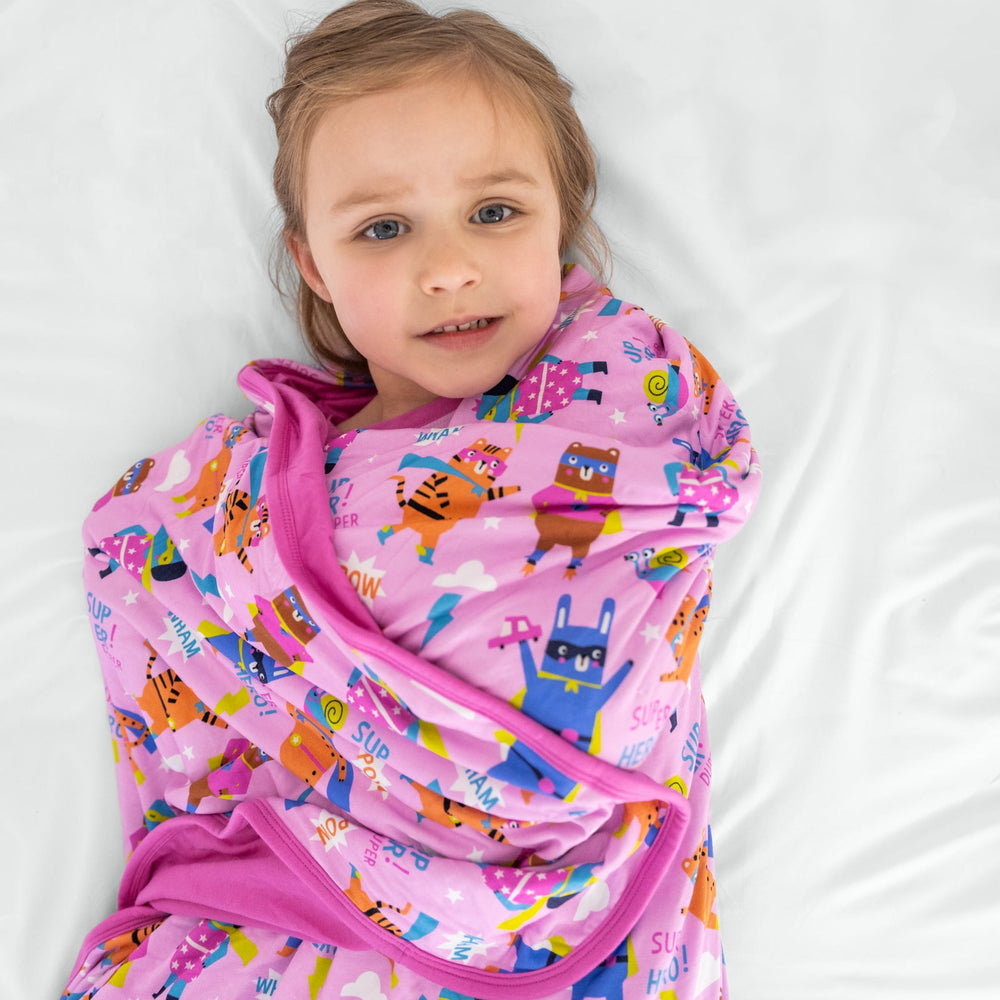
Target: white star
pixel 651 632
pixel 491 522
pixel 130 597
pixel 475 856
pixel 182 544
pixel 454 895
pixel 618 417
pixel 590 335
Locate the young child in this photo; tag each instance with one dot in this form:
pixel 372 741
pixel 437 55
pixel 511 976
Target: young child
pixel 402 667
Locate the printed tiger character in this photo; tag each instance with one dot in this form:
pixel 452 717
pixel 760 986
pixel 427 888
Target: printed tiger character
pixel 447 812
pixel 703 892
pixel 455 489
pixel 169 702
pixel 208 486
pixel 244 524
pixel 684 634
pixel 372 909
pixel 572 511
pixel 124 946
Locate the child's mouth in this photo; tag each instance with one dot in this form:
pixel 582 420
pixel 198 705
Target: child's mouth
pixel 475 324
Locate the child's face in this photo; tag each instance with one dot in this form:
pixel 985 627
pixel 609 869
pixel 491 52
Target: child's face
pixel 428 207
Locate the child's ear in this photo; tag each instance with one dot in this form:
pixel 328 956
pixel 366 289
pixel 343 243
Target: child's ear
pixel 302 255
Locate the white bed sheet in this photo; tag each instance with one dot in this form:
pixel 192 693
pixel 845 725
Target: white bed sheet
pixel 810 192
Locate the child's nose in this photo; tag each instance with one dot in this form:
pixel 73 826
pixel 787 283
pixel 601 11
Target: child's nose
pixel 448 265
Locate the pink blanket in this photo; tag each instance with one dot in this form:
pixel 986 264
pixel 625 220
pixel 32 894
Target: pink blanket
pixel 424 696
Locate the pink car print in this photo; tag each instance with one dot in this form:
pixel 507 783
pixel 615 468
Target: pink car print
pixel 516 628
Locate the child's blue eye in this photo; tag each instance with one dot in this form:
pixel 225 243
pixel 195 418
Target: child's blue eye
pixel 384 229
pixel 493 213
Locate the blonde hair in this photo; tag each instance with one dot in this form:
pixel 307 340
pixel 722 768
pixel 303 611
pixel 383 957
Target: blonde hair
pixel 369 46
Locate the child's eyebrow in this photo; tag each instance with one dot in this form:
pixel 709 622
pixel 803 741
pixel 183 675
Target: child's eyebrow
pixel 374 196
pixel 501 177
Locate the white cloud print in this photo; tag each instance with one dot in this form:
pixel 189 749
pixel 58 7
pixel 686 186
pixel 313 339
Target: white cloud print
pixel 366 987
pixel 471 575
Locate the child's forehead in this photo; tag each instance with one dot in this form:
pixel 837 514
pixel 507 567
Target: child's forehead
pixel 442 98
pixel 455 130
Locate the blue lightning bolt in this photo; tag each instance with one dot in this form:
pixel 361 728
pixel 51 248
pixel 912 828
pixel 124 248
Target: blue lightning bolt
pixel 440 615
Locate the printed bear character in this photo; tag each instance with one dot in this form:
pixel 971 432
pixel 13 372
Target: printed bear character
pixel 284 627
pixel 574 508
pixel 130 482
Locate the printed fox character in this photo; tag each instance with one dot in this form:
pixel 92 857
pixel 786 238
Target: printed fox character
pixel 703 893
pixel 684 634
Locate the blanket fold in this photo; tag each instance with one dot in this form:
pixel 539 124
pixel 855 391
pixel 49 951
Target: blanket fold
pixel 430 688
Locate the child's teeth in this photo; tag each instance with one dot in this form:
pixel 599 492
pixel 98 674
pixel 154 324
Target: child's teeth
pixel 477 323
